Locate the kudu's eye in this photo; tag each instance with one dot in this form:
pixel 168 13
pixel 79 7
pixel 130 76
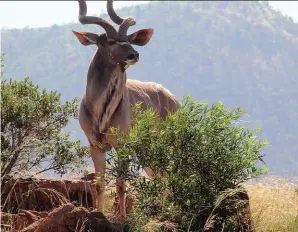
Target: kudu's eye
pixel 111 42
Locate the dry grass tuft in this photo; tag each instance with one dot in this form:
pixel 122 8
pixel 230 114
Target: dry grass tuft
pixel 110 194
pixel 152 225
pixel 156 226
pixel 40 199
pixel 274 204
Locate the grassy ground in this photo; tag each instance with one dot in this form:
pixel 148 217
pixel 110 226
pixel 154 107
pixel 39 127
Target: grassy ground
pixel 274 204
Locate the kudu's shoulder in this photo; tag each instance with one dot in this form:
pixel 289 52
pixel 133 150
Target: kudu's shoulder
pixel 147 87
pixel 153 95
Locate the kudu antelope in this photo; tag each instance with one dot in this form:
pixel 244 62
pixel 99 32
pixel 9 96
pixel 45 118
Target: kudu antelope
pixel 109 96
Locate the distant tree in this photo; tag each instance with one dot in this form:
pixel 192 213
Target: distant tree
pixel 1 64
pixel 31 131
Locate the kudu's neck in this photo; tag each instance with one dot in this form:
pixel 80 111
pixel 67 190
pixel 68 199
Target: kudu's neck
pixel 104 90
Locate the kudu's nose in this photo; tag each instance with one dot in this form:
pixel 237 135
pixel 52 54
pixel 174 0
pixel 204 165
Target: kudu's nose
pixel 133 56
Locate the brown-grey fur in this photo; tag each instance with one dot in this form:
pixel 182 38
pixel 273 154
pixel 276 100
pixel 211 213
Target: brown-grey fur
pixel 109 96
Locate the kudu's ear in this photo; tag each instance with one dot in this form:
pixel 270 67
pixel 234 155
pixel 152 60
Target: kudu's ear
pixel 86 38
pixel 141 37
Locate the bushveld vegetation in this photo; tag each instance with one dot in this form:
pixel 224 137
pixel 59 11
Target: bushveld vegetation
pixel 274 203
pixel 201 155
pixel 241 52
pixel 32 138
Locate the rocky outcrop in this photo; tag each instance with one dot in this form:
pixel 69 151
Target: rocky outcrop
pixel 66 218
pixel 82 192
pixel 27 194
pixel 52 205
pixel 16 222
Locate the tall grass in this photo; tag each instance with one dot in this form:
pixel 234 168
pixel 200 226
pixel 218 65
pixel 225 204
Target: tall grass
pixel 274 204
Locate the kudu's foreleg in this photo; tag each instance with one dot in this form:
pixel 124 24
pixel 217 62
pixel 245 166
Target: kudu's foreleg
pixel 99 161
pixel 149 172
pixel 121 191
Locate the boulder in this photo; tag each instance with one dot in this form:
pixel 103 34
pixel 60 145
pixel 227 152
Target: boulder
pixel 69 218
pixel 27 194
pixel 16 222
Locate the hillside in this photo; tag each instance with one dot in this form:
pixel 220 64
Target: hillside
pixel 242 53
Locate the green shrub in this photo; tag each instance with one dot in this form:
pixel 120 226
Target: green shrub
pixel 32 138
pixel 203 151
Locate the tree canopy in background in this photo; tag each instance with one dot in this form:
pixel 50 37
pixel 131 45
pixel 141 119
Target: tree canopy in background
pixel 1 64
pixel 31 131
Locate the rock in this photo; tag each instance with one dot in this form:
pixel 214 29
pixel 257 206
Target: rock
pixel 27 194
pixel 82 192
pixel 68 218
pixel 22 219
